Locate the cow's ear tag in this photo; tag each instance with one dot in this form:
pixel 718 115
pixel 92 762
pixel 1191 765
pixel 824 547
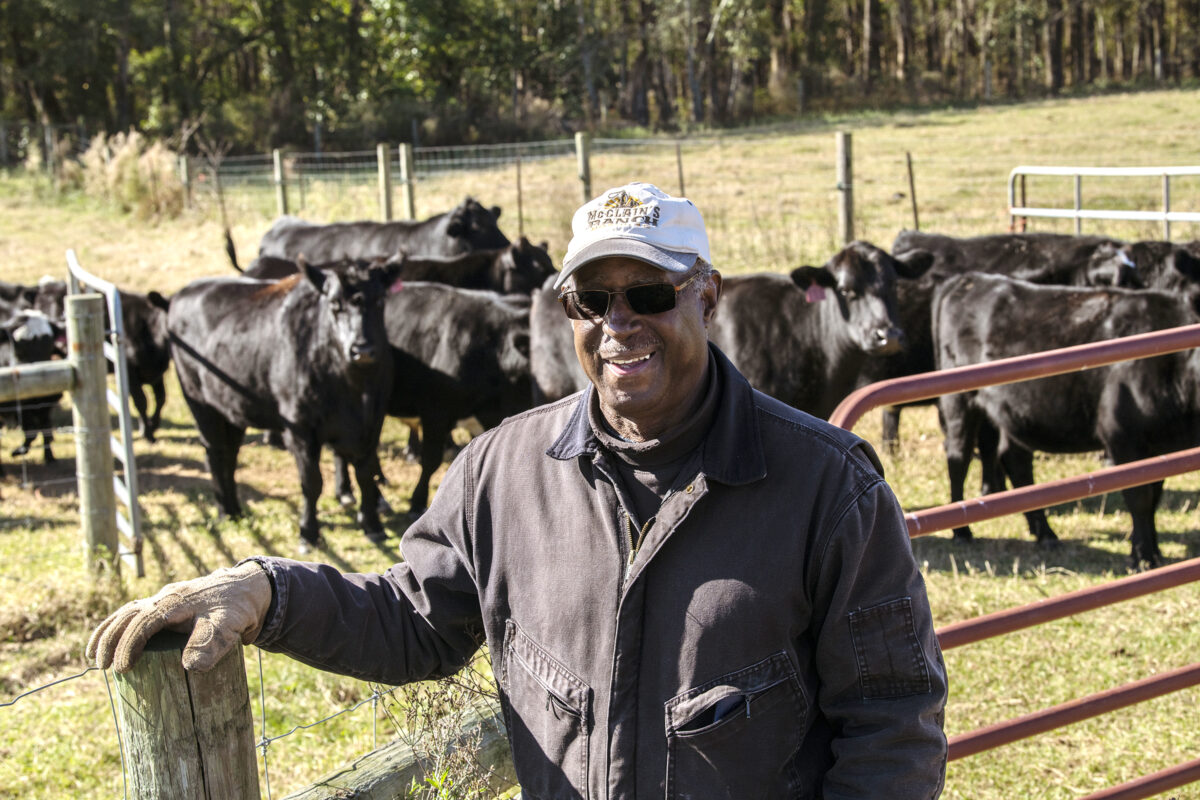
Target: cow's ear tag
pixel 815 293
pixel 395 287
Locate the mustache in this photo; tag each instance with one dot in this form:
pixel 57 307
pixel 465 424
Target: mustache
pixel 618 350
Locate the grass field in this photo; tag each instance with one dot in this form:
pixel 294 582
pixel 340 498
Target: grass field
pixel 769 199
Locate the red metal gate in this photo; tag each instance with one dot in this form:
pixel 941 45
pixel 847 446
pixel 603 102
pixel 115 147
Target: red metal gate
pixel 1054 362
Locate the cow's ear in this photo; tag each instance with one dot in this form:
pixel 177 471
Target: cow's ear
pixel 495 212
pixel 158 301
pixel 312 274
pixel 805 277
pixel 913 264
pixel 29 293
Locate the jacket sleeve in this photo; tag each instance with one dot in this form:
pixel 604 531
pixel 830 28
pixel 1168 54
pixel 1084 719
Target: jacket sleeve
pixel 420 619
pixel 882 678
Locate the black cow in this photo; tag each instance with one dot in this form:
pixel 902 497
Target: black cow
pixel 305 355
pixel 808 351
pixel 147 347
pixel 28 338
pixel 1049 258
pixel 554 366
pixel 467 227
pixel 1131 410
pixel 517 268
pixel 457 353
pixel 1149 264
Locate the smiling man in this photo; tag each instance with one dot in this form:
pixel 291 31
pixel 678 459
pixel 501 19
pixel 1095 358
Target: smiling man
pixel 688 589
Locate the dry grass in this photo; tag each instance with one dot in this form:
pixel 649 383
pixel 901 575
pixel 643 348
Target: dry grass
pixel 769 200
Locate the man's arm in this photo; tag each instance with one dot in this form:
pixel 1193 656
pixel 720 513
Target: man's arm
pixel 419 619
pixel 883 681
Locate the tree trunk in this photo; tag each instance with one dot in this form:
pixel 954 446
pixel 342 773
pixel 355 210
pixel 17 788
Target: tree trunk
pixel 693 78
pixel 872 37
pixel 849 40
pixel 1077 43
pixel 902 28
pixel 1019 56
pixel 591 102
pixel 1053 37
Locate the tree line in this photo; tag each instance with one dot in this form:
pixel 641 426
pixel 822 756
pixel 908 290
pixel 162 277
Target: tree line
pixel 344 74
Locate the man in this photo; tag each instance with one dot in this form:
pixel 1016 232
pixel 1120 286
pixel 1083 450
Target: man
pixel 687 588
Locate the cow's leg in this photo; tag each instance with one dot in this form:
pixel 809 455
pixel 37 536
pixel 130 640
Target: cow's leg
pixel 138 396
pixel 987 438
pixel 307 451
pixel 412 448
pixel 1018 463
pixel 1142 502
pixel 221 440
pixel 368 510
pixel 435 430
pixel 160 397
pixel 958 423
pixel 890 417
pixel 341 481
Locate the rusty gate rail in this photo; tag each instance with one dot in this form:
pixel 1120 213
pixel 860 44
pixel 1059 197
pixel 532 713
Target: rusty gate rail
pixel 1161 781
pixel 1012 370
pixel 968 744
pixel 1013 619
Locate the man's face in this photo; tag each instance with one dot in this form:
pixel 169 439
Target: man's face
pixel 648 369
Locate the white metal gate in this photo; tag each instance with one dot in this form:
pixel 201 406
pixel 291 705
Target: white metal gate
pixel 125 483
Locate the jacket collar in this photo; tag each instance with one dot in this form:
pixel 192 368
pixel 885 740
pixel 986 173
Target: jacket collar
pixel 733 451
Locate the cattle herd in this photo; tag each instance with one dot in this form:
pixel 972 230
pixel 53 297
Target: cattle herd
pixel 333 327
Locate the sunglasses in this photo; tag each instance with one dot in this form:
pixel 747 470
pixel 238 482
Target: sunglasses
pixel 646 298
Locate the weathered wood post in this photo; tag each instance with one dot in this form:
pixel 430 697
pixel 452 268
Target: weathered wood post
pixel 845 186
pixel 185 178
pixel 93 431
pixel 280 184
pixel 912 191
pixel 679 168
pixel 583 156
pixel 187 734
pixel 409 205
pixel 383 157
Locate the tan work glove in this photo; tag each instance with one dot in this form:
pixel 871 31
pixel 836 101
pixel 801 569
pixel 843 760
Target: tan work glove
pixel 217 610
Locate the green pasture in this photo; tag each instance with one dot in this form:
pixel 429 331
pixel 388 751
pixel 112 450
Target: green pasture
pixel 770 201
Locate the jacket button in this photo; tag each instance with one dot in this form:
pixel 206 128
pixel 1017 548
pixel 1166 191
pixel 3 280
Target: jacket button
pixel 689 488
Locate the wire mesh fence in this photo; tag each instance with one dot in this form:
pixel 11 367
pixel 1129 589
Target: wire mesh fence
pixel 384 705
pixel 770 201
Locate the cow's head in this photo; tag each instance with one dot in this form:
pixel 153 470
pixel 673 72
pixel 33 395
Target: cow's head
pixel 1113 264
pixel 475 226
pixel 862 283
pixel 525 266
pixel 352 299
pixel 51 298
pixel 33 335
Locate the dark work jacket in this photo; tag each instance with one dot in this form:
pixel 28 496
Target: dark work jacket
pixel 771 639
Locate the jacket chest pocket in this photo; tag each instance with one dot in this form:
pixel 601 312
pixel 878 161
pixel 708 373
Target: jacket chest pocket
pixel 734 736
pixel 548 714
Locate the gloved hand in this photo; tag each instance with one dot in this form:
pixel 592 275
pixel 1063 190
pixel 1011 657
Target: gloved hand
pixel 218 609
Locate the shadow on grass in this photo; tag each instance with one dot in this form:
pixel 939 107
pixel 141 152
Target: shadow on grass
pixel 1004 556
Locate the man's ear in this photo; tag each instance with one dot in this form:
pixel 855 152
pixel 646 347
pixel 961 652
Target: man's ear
pixel 711 296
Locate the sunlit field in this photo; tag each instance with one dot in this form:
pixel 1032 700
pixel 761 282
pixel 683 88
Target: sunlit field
pixel 771 203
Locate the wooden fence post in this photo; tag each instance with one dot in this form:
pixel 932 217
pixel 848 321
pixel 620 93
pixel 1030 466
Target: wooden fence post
pixel 845 185
pixel 185 177
pixel 583 156
pixel 383 157
pixel 679 168
pixel 409 206
pixel 93 430
pixel 280 184
pixel 187 734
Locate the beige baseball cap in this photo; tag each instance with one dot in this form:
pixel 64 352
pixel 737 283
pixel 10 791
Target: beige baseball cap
pixel 637 220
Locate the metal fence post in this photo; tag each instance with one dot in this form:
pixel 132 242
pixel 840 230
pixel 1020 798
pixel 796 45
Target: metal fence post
pixel 280 185
pixel 409 206
pixel 93 456
pixel 1166 193
pixel 583 156
pixel 383 157
pixel 190 735
pixel 845 186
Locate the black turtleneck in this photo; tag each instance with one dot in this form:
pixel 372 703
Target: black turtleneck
pixel 648 470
